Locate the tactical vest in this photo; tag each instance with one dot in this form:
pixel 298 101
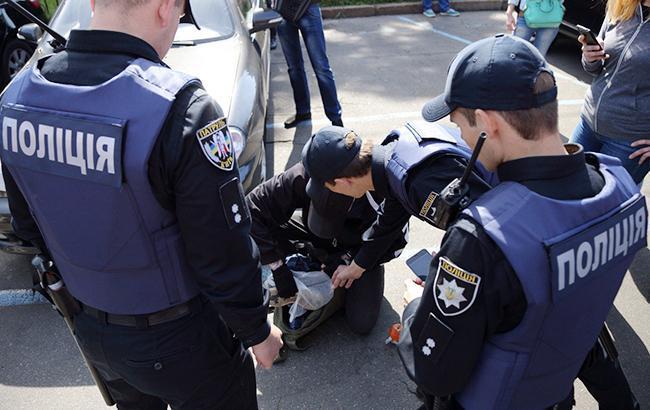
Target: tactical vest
pixel 79 155
pixel 570 257
pixel 418 141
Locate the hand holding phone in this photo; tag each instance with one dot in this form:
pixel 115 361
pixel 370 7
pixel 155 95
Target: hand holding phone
pixel 589 37
pixel 592 47
pixel 420 263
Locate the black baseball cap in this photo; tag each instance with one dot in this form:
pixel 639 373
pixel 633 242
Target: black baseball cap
pixel 325 156
pixel 188 16
pixel 496 73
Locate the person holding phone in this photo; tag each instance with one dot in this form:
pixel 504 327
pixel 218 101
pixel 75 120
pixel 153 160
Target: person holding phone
pixel 615 117
pixel 516 24
pixel 498 324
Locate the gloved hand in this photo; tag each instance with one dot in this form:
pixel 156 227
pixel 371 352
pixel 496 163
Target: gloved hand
pixel 284 281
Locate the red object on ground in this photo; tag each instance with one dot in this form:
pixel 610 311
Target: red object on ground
pixel 393 333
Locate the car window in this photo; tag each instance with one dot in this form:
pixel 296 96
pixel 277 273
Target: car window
pixel 212 15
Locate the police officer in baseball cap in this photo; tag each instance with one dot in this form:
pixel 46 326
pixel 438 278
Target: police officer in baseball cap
pixel 133 190
pixel 409 169
pixel 291 214
pixel 521 286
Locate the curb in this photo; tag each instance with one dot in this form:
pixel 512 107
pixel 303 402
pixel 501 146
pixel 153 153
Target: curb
pixel 385 9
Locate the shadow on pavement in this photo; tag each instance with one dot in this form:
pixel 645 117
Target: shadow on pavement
pixel 633 355
pixel 300 137
pixel 565 54
pixel 37 350
pixel 340 369
pixel 639 272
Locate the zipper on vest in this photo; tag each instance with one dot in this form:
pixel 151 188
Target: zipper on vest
pixel 618 65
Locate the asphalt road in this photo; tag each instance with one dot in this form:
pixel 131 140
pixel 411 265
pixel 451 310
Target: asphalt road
pixel 386 68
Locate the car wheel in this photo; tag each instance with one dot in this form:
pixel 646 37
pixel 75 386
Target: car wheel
pixel 14 57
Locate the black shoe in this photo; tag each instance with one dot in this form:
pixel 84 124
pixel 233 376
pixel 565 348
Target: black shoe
pixel 274 43
pixel 296 119
pixel 337 122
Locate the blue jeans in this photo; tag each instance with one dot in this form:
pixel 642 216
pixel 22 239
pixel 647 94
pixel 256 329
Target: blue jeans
pixel 594 142
pixel 428 4
pixel 543 36
pixel 310 26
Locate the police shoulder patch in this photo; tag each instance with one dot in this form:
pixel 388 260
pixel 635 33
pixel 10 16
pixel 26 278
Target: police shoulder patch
pixel 428 210
pixel 454 289
pixel 216 143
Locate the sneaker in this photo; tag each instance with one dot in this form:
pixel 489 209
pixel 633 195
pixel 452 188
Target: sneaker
pixel 429 13
pixel 274 43
pixel 450 13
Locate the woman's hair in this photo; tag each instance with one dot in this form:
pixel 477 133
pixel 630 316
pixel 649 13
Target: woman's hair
pixel 621 10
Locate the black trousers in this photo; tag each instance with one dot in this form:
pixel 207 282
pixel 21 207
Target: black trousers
pixel 190 363
pixel 604 379
pixel 363 299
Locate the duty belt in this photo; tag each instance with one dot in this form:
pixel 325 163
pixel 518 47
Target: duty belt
pixel 146 320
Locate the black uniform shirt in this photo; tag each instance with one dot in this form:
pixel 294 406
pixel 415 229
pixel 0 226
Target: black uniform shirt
pixel 500 302
pixel 224 259
pixel 273 203
pixel 432 175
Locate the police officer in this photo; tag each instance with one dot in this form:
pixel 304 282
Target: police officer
pixel 526 275
pixel 128 170
pixel 410 169
pixel 333 224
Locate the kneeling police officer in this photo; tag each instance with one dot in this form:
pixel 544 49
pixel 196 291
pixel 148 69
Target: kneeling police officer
pixel 127 170
pixel 525 277
pixel 410 169
pixel 329 228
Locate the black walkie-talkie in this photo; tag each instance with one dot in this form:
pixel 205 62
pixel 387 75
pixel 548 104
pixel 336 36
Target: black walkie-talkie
pixel 455 196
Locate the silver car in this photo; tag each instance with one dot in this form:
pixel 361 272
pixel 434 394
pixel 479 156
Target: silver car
pixel 230 54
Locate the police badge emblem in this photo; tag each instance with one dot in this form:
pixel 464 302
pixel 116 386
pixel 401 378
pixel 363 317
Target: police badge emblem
pixel 216 143
pixel 454 289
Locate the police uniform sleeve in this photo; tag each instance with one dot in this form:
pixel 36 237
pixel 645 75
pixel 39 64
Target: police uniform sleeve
pixel 470 294
pixel 272 204
pixel 383 234
pixel 432 177
pixel 208 200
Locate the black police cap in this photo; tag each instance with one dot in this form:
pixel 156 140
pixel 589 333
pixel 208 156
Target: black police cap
pixel 496 73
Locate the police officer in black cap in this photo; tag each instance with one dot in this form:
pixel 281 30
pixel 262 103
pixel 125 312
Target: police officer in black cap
pixel 332 224
pixel 409 169
pixel 525 277
pixel 124 171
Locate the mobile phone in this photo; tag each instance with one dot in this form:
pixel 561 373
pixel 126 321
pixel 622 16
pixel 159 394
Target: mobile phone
pixel 419 263
pixel 590 37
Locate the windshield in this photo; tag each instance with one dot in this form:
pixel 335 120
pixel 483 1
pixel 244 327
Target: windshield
pixel 212 15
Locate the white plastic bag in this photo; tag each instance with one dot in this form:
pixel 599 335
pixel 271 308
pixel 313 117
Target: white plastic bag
pixel 314 292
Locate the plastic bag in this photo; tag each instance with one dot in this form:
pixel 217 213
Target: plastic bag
pixel 314 292
pixel 314 286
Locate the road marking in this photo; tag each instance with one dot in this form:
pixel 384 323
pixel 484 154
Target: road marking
pixel 367 118
pixel 412 115
pixel 17 297
pixel 427 26
pixel 571 102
